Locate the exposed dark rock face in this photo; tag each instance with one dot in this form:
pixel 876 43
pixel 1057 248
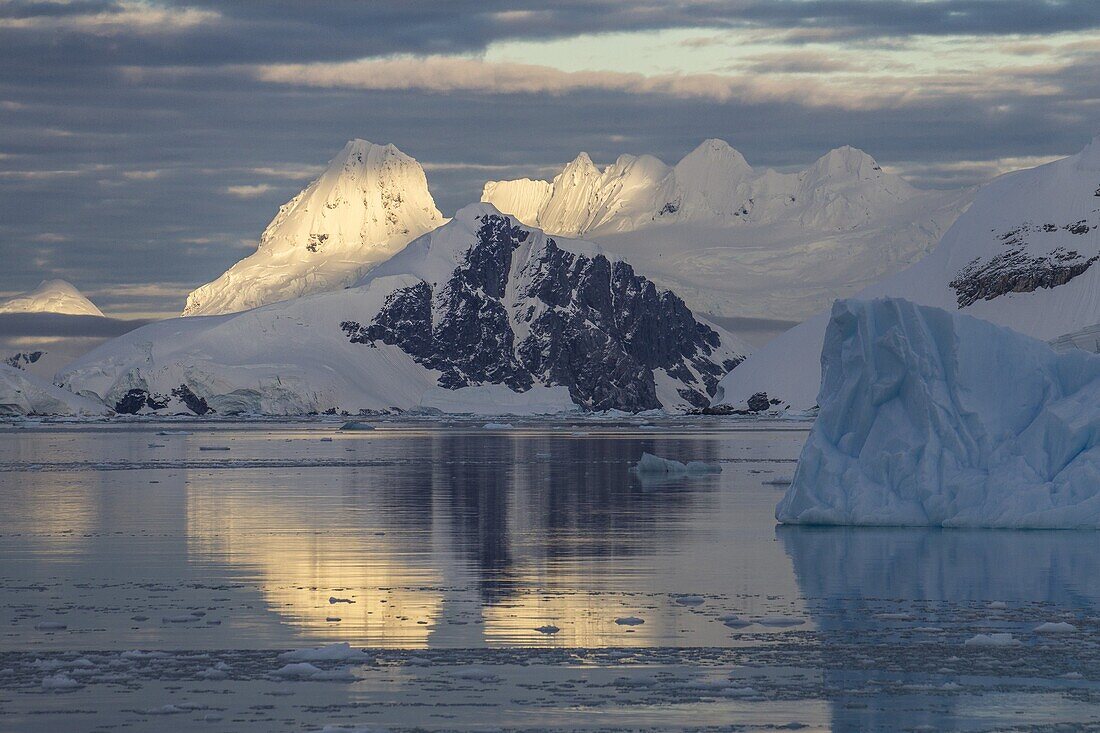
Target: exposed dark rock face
pixel 1018 271
pixel 24 358
pixel 192 401
pixel 586 323
pixel 759 402
pixel 136 399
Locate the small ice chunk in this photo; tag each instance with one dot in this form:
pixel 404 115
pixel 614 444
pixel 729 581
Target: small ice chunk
pixel 629 621
pixel 780 621
pixel 172 432
pixel 690 600
pixel 297 670
pixel 998 605
pixel 779 481
pixel 999 639
pixel 50 626
pixel 548 629
pixel 650 464
pixel 339 652
pixel 356 425
pixel 213 447
pixel 59 682
pixel 497 426
pixel 335 599
pixel 734 621
pixel 1055 627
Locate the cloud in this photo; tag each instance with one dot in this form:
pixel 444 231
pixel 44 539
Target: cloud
pixel 249 191
pixel 787 81
pixel 109 19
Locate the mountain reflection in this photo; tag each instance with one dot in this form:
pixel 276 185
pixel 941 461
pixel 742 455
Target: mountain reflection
pixel 470 537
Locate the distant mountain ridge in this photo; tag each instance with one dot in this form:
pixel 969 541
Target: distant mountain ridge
pixel 736 241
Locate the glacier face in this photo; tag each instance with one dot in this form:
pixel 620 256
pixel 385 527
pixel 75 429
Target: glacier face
pixel 735 241
pixel 26 394
pixel 52 296
pixel 481 302
pixel 369 203
pixel 1021 256
pixel 929 417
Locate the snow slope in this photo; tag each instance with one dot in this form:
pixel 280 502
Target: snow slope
pixel 477 314
pixel 370 202
pixel 1021 256
pixel 933 418
pixel 26 394
pixel 734 241
pixel 52 296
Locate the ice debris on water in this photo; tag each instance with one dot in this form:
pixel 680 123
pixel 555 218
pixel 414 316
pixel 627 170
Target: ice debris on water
pixel 356 425
pixel 548 629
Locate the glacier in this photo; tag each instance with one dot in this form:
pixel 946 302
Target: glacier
pixel 26 394
pixel 931 418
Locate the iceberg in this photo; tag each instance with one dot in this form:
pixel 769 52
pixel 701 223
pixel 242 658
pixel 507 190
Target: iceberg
pixel 930 418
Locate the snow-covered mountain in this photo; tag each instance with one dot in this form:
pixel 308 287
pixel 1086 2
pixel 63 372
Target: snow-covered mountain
pixel 735 241
pixel 1021 256
pixel 369 203
pixel 481 314
pixel 52 296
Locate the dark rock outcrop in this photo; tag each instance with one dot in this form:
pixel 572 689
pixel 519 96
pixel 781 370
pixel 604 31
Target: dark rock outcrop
pixel 580 321
pixel 1018 271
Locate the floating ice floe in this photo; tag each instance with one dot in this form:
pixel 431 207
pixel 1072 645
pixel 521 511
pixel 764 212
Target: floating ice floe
pixel 629 621
pixel 340 652
pixel 999 639
pixel 652 465
pixel 1055 627
pixel 59 683
pixel 548 629
pixel 734 621
pixel 933 418
pixel 690 600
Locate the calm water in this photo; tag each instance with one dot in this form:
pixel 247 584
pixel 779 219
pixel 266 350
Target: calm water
pixel 444 549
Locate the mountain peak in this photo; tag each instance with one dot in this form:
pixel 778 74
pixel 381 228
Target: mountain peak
pixel 582 165
pixel 369 203
pixel 52 296
pixel 846 161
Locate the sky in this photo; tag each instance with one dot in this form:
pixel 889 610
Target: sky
pixel 145 145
